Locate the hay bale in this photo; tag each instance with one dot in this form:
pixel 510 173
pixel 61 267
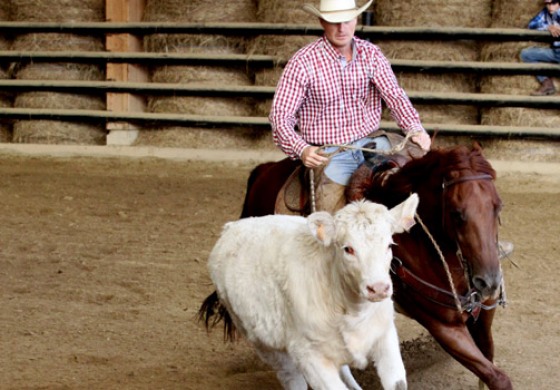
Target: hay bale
pixel 437 51
pixel 57 132
pixel 432 13
pixel 283 11
pixel 52 131
pixel 5 98
pixel 201 138
pixel 282 47
pixel 5 128
pixel 513 14
pixel 194 12
pixel 5 15
pixel 58 10
pixel 199 11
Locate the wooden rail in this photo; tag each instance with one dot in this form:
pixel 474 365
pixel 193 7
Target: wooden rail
pixel 260 92
pixel 253 29
pixel 260 122
pixel 473 67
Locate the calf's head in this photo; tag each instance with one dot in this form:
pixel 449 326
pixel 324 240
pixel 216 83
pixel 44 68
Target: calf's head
pixel 360 235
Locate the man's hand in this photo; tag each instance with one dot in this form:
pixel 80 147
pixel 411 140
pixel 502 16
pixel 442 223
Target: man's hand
pixel 423 140
pixel 554 30
pixel 312 159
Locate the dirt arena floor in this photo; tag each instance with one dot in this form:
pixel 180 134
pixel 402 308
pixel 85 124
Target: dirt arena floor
pixel 103 268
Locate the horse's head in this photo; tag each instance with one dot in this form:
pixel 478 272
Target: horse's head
pixel 470 216
pixel 459 205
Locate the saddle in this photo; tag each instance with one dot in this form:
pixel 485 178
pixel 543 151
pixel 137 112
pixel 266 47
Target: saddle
pixel 294 198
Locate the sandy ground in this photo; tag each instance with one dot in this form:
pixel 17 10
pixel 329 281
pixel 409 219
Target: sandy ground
pixel 103 267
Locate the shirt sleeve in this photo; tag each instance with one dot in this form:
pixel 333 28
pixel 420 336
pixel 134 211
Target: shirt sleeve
pixel 289 96
pixel 394 96
pixel 539 22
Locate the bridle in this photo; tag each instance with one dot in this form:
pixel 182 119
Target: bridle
pixel 469 303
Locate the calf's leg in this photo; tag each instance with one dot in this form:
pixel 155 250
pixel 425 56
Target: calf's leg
pixel 319 373
pixel 286 371
pixel 348 378
pixel 388 361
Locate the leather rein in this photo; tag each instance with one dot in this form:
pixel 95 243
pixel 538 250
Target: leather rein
pixel 469 303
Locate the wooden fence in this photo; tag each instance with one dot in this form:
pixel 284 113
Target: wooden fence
pixel 376 33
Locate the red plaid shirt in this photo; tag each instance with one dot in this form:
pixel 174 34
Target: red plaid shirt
pixel 332 103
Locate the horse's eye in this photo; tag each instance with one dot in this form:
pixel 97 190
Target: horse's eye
pixel 349 250
pixel 458 217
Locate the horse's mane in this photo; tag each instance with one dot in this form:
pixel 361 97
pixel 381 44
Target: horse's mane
pixel 438 164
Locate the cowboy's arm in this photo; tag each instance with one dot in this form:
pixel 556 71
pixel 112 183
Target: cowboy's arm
pixel 287 101
pixel 398 102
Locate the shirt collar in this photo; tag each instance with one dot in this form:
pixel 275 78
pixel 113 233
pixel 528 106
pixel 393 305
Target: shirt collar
pixel 333 53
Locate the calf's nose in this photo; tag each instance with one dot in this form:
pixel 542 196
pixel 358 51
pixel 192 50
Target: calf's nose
pixel 378 290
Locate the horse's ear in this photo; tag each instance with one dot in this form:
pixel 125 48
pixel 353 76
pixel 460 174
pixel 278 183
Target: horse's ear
pixel 403 214
pixel 321 225
pixel 477 146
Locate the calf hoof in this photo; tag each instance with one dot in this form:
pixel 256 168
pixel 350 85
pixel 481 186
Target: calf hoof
pixel 401 385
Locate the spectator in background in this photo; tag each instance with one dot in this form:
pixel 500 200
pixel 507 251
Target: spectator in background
pixel 548 19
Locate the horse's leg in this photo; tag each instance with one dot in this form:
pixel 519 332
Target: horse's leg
pixel 458 342
pixel 481 332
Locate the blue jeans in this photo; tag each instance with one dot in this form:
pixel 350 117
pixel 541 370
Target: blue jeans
pixel 342 165
pixel 540 54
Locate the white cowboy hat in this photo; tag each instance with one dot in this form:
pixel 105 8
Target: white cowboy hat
pixel 336 11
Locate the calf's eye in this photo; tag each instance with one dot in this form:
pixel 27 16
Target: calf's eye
pixel 349 250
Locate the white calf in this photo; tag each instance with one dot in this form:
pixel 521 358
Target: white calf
pixel 313 295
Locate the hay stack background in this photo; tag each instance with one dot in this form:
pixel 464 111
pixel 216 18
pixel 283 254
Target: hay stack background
pixel 435 13
pixel 58 132
pixel 513 14
pixel 5 99
pixel 281 46
pixel 191 12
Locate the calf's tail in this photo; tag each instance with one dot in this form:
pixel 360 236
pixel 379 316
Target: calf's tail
pixel 212 312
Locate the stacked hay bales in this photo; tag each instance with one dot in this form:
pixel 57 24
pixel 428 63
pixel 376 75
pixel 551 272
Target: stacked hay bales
pixel 192 12
pixel 53 131
pixel 435 13
pixel 280 46
pixel 513 14
pixel 5 99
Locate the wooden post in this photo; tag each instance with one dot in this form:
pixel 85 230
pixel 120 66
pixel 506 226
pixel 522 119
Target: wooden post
pixel 124 133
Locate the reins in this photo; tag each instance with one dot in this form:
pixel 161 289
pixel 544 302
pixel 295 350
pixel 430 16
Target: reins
pixel 471 302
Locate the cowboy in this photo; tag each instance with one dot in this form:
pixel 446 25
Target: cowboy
pixel 332 90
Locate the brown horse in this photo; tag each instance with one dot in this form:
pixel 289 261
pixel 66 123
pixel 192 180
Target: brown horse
pixel 446 271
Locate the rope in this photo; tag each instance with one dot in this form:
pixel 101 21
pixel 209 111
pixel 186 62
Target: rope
pixel 397 148
pixel 445 265
pixel 312 190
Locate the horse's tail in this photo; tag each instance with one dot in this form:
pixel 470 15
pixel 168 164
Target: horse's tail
pixel 212 311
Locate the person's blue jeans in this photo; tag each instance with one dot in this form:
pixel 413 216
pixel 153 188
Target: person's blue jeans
pixel 540 54
pixel 343 164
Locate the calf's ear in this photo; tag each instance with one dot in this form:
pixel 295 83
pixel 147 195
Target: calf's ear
pixel 321 225
pixel 403 214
